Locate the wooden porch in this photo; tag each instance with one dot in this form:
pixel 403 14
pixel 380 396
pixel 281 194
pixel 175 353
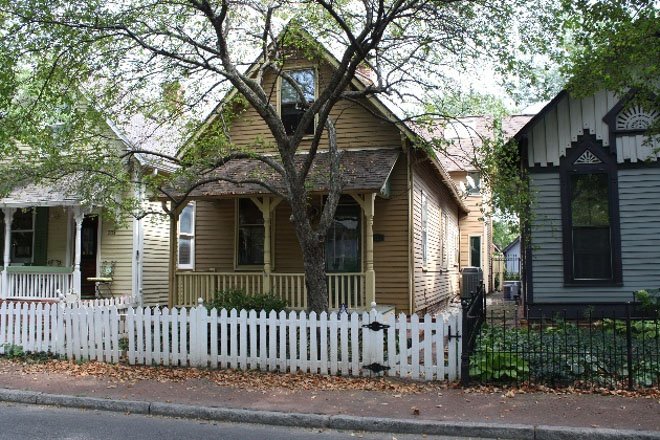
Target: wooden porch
pixel 347 289
pixel 25 279
pixel 353 288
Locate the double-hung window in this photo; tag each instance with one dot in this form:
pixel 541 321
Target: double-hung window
pixel 342 243
pixel 250 234
pixel 590 212
pixel 187 237
pixel 22 236
pixel 425 233
pixel 294 101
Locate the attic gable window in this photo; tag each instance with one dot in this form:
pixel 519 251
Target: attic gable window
pixel 292 104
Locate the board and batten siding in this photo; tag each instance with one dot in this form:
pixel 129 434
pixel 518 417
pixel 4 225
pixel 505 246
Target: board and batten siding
pixel 554 132
pixel 155 258
pixel 433 285
pixel 639 193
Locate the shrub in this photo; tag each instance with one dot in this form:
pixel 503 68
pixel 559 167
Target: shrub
pixel 238 299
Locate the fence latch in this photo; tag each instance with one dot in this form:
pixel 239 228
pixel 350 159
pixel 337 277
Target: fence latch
pixel 376 367
pixel 451 336
pixel 376 326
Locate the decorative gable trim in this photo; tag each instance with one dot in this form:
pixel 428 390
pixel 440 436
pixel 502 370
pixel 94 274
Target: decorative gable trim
pixel 587 158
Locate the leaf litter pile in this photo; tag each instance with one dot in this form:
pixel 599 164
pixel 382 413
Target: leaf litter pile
pixel 245 380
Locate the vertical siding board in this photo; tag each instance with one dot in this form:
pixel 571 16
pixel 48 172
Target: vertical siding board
pixel 575 113
pixel 601 109
pixel 551 137
pixel 540 148
pixel 589 113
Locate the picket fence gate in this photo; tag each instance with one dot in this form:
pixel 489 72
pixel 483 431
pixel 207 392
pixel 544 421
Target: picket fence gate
pixel 355 344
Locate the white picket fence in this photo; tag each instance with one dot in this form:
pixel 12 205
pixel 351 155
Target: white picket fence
pixel 332 343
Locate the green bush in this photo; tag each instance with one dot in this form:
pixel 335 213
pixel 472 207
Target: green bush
pixel 566 354
pixel 238 299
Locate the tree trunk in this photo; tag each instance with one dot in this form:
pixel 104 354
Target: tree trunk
pixel 317 288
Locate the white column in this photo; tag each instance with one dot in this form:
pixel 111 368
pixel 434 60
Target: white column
pixel 267 258
pixel 9 216
pixel 77 251
pixel 370 275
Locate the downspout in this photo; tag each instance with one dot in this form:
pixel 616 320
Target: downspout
pixel 411 224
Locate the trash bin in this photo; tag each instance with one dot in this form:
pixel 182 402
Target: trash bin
pixel 471 280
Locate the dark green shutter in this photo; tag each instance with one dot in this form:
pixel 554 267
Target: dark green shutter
pixel 41 237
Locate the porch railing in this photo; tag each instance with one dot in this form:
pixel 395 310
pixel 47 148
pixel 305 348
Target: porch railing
pixel 36 283
pixel 343 288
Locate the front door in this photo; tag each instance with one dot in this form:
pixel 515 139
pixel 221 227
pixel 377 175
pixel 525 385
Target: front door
pixel 88 263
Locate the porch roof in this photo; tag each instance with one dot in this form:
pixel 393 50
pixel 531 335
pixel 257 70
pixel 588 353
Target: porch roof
pixel 362 171
pixel 32 195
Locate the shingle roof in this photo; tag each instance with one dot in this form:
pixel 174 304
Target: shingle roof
pixel 363 170
pixel 57 194
pixel 466 135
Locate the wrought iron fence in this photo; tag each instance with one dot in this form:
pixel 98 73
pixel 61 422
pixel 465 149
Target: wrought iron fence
pixel 590 351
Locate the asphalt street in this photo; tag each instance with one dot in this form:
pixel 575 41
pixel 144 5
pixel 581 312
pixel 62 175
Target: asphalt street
pixel 18 422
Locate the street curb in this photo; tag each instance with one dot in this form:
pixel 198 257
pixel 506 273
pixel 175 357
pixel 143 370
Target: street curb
pixel 338 422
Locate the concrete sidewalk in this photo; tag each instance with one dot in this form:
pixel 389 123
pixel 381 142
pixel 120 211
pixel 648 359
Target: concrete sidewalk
pixel 444 409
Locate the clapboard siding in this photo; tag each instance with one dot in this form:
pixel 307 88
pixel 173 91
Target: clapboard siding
pixel 155 258
pixel 356 126
pixel 640 239
pixel 475 223
pixel 433 284
pixel 214 235
pixel 391 256
pixel 57 238
pixel 553 133
pixel 117 247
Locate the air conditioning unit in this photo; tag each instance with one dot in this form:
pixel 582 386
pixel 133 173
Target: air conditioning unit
pixel 471 281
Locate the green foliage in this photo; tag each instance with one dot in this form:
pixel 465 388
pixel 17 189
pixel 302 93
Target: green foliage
pixel 13 351
pixel 614 45
pixel 504 232
pixel 498 366
pixel 567 354
pixel 238 299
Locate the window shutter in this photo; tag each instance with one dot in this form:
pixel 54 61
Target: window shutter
pixel 41 237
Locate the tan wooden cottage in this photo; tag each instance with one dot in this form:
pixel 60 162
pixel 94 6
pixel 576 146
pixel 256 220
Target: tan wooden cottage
pixel 395 238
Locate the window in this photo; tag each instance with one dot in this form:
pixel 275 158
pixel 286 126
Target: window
pixel 425 235
pixel 474 183
pixel 250 234
pixel 22 236
pixel 444 240
pixel 342 243
pixel 590 224
pixel 292 105
pixel 590 215
pixel 475 251
pixel 187 237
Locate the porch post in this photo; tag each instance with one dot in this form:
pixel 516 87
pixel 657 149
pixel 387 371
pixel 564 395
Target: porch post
pixel 9 216
pixel 267 259
pixel 370 275
pixel 77 251
pixel 172 297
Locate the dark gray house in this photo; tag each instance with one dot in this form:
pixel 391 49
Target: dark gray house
pixel 594 234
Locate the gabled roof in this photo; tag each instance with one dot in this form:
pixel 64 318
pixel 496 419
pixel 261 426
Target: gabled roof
pixel 510 245
pixel 465 136
pixel 360 82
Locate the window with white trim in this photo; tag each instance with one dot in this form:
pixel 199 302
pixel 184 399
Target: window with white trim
pixel 186 234
pixel 425 235
pixel 475 250
pixel 292 104
pixel 22 236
